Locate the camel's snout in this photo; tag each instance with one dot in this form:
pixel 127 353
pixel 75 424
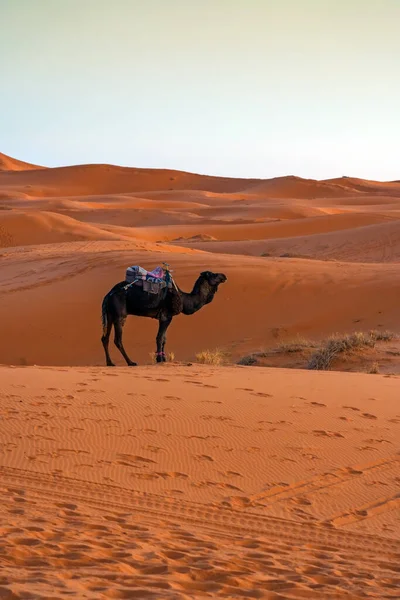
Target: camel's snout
pixel 220 278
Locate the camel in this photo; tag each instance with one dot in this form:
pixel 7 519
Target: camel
pixel 123 300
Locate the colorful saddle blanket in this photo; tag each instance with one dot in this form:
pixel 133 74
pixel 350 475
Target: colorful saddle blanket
pixel 151 281
pixel 136 273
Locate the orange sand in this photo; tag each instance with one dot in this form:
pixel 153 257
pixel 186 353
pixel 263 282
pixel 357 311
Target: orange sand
pixel 188 481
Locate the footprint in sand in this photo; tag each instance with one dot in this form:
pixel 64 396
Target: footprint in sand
pixel 301 500
pixel 212 401
pixel 66 505
pixel 369 416
pixel 230 474
pixel 204 457
pixel 129 459
pixel 202 437
pixel 145 476
pixel 323 433
pixel 172 475
pixel 155 449
pixel 352 471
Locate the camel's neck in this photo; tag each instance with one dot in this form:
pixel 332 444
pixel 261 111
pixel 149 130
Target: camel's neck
pixel 198 297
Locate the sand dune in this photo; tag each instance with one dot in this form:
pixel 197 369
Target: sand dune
pixel 19 228
pixel 265 300
pixel 378 243
pixel 257 231
pixel 187 481
pixel 364 185
pixel 7 163
pixel 109 179
pixel 198 482
pixel 296 187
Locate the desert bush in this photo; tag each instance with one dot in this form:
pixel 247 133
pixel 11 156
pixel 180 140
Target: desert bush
pixel 296 345
pixel 324 356
pixel 211 357
pixel 382 336
pixel 326 351
pixel 249 360
pixel 374 369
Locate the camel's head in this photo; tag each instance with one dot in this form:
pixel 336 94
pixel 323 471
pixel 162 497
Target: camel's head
pixel 213 279
pixel 203 291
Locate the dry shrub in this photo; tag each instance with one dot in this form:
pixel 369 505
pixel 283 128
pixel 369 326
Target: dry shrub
pixel 325 351
pixel 383 336
pixel 292 346
pixel 325 355
pixel 374 369
pixel 211 357
pixel 249 360
pixel 296 345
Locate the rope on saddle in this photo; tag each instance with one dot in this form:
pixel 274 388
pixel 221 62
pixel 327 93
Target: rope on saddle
pixel 128 285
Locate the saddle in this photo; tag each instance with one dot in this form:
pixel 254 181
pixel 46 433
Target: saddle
pixel 152 282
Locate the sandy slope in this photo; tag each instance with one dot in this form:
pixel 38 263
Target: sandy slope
pixel 57 290
pixel 7 163
pixel 21 228
pixel 378 243
pixel 183 482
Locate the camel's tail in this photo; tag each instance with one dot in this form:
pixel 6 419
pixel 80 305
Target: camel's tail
pixel 104 319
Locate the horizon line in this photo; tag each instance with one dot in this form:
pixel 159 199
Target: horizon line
pixel 174 170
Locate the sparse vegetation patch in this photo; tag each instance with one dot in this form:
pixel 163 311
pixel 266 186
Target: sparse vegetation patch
pixel 212 357
pixel 335 345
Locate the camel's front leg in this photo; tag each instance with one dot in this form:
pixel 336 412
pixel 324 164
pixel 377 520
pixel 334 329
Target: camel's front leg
pixel 161 338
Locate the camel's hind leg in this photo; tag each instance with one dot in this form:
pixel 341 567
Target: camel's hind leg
pixel 104 340
pixel 118 326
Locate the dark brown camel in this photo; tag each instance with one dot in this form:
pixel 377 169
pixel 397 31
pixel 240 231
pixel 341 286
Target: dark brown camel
pixel 121 302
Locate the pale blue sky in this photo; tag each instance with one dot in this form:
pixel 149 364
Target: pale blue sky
pixel 253 88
